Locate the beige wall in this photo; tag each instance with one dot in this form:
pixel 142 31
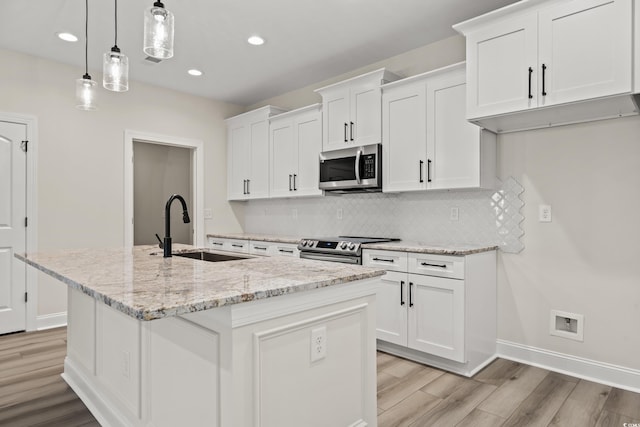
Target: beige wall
pixel 80 154
pixel 586 260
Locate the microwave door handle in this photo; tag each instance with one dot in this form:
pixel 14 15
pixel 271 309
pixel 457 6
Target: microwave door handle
pixel 358 153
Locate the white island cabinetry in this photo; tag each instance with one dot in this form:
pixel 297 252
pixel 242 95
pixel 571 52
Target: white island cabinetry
pixel 437 309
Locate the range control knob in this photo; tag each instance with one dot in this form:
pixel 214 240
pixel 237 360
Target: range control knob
pixel 343 245
pixel 303 243
pixel 352 246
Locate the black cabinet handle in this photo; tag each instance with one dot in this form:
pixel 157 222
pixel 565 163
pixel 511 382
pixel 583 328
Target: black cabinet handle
pixel 351 131
pixel 410 294
pixel 286 251
pixel 289 182
pixel 382 259
pixel 248 188
pixel 530 73
pixel 244 186
pixel 294 182
pixel 262 248
pixel 236 245
pixel 420 170
pixel 345 132
pixel 402 292
pixel 428 170
pixel 426 264
pixel 544 89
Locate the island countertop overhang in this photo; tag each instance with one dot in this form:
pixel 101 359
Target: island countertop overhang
pixel 141 283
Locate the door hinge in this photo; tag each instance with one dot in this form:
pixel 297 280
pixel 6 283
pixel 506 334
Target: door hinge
pixel 26 298
pixel 26 222
pixel 24 145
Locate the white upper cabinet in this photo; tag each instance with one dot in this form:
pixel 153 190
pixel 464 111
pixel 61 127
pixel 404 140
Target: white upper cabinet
pixel 549 54
pixel 352 111
pixel 248 154
pixel 427 143
pixel 295 144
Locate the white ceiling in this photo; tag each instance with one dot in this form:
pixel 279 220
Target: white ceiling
pixel 307 41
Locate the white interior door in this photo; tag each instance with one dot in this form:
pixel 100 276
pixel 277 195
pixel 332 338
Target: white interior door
pixel 12 227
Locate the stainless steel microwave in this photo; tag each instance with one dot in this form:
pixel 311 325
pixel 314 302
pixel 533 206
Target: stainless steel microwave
pixel 352 170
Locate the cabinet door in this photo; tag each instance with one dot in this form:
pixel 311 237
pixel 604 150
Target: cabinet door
pixel 391 308
pixel 586 47
pixel 453 144
pixel 436 316
pixel 404 141
pixel 239 155
pixel 498 61
pixel 259 178
pixel 335 106
pixel 283 158
pixel 308 129
pixel 365 125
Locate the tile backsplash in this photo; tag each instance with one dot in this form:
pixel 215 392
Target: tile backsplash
pixel 484 216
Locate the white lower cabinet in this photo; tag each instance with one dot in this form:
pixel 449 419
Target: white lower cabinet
pixel 437 309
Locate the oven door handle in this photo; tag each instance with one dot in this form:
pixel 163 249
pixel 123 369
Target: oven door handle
pixel 332 258
pixel 358 154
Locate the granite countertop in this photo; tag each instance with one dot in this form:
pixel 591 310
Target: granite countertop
pixel 400 246
pixel 257 237
pixel 142 284
pixel 426 248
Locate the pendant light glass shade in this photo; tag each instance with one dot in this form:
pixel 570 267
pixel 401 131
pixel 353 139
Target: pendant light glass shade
pixel 115 65
pixel 85 93
pixel 158 32
pixel 115 71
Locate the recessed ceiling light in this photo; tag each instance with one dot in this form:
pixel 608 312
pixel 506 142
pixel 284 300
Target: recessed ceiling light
pixel 255 40
pixel 68 37
pixel 194 72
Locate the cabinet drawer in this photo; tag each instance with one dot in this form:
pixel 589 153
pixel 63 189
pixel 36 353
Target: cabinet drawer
pixel 229 245
pixel 259 248
pixel 389 260
pixel 284 249
pixel 436 265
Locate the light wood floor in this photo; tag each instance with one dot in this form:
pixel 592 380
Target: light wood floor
pixel 32 393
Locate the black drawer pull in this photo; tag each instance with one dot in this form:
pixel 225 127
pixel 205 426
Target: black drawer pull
pixel 530 73
pixel 420 169
pixel 544 71
pixel 426 264
pixel 217 243
pixel 294 182
pixel 351 131
pixel 262 248
pixel 290 182
pixel 382 259
pixel 410 294
pixel 286 251
pixel 402 292
pixel 428 170
pixel 346 126
pixel 236 245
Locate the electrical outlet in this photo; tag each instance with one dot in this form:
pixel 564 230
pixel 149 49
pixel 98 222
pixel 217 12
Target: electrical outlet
pixel 318 343
pixel 567 325
pixel 208 214
pixel 454 214
pixel 339 213
pixel 544 213
pixel 294 213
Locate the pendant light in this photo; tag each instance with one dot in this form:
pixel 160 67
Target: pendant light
pixel 158 32
pixel 85 87
pixel 115 65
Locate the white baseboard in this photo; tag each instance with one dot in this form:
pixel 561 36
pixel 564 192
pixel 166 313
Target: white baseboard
pixel 591 370
pixel 53 320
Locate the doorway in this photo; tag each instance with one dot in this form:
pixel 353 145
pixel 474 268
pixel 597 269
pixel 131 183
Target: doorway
pixel 157 171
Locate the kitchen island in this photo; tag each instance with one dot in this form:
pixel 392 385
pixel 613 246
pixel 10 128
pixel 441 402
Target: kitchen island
pixel 264 341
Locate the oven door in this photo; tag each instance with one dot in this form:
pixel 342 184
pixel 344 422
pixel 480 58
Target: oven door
pixel 351 168
pixel 345 259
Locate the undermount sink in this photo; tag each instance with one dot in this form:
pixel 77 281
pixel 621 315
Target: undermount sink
pixel 210 256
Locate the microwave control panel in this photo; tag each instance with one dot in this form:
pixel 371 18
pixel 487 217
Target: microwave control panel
pixel 369 167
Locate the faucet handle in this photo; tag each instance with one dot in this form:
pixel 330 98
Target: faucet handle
pixel 161 245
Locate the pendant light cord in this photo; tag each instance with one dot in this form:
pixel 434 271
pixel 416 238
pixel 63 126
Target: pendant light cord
pixel 116 24
pixel 86 38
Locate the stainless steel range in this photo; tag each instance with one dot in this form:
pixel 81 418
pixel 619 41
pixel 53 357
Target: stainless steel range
pixel 345 249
